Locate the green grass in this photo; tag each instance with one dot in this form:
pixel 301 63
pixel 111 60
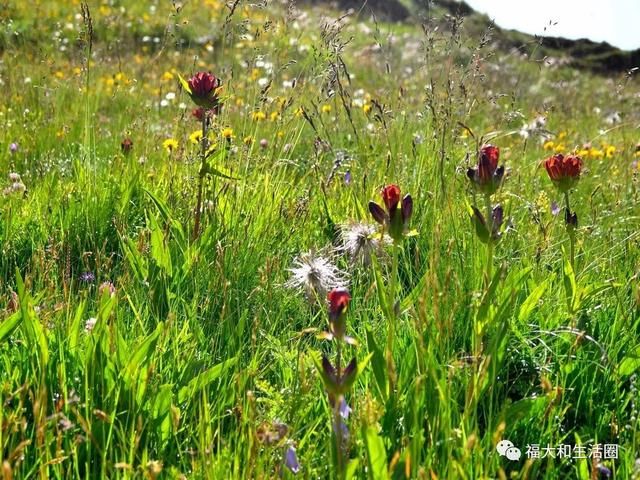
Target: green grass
pixel 202 348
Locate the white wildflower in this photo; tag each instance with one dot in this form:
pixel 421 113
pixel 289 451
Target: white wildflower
pixel 90 324
pixel 315 275
pixel 361 240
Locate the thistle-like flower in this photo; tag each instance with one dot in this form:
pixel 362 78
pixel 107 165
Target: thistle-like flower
pixel 315 275
pixel 361 240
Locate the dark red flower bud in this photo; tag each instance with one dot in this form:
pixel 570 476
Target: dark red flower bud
pixel 484 231
pixel 339 299
pixel 391 197
pixel 487 176
pixel 126 145
pixel 407 209
pixel 377 212
pixel 329 370
pixel 570 219
pixel 488 163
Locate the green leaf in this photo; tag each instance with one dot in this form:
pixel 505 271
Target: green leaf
pixel 10 324
pixel 141 355
pixel 159 250
pixel 529 305
pixel 570 288
pixel 136 261
pixel 376 454
pixel 379 365
pixel 185 84
pixel 527 408
pixel 205 378
pixel 34 331
pixel 210 170
pixel 352 468
pixel 381 289
pixel 162 409
pixel 75 328
pixel 630 363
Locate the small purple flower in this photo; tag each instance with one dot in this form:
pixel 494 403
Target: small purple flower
pixel 347 177
pixel 555 208
pixel 344 409
pixel 87 277
pixel 13 148
pixel 291 460
pixel 604 471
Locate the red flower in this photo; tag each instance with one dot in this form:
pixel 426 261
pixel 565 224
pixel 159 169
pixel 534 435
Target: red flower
pixel 563 171
pixel 487 176
pixel 559 166
pixel 391 197
pixel 339 299
pixel 202 84
pixel 203 88
pixel 488 162
pixel 394 219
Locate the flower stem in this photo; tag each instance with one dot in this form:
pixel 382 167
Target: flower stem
pixel 201 175
pixel 489 266
pixel 570 232
pixel 337 421
pixel 393 286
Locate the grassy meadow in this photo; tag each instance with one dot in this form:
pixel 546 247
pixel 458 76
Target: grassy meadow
pixel 135 344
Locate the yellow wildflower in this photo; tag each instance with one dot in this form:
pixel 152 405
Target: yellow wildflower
pixel 170 144
pixel 227 133
pixel 549 145
pixel 259 115
pixel 196 137
pixel 610 152
pixel 326 108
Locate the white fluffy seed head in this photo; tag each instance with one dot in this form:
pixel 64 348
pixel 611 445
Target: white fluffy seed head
pixel 315 275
